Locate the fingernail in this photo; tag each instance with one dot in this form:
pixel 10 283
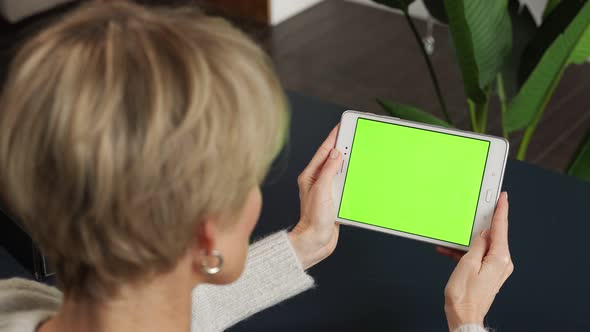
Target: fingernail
pixel 334 154
pixel 484 233
pixel 506 195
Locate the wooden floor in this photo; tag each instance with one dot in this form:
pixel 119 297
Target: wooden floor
pixel 350 54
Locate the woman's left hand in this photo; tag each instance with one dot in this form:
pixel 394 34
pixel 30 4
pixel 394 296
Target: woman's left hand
pixel 315 236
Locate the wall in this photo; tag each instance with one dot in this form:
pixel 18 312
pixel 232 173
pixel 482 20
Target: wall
pixel 281 10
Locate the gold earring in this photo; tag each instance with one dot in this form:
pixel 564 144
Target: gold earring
pixel 211 270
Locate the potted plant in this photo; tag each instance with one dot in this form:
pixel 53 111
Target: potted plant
pixel 503 54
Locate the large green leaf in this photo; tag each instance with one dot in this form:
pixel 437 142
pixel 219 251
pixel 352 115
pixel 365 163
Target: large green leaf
pixel 523 29
pixel 568 47
pixel 553 26
pixel 482 36
pixel 580 165
pixel 582 51
pixel 411 113
pixel 396 4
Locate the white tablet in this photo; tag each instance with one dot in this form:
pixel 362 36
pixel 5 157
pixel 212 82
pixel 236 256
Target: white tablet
pixel 419 181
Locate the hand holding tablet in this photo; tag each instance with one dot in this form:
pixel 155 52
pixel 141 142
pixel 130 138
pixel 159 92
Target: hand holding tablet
pixel 418 181
pixel 316 234
pixel 481 271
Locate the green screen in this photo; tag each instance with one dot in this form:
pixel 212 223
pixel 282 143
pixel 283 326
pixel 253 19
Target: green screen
pixel 413 180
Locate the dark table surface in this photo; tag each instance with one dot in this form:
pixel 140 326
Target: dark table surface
pixel 378 282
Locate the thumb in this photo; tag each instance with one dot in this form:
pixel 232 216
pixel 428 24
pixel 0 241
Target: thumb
pixel 330 169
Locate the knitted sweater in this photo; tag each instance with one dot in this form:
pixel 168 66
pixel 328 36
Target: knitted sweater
pixel 273 274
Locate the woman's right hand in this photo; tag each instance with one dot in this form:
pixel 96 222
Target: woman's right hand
pixel 480 273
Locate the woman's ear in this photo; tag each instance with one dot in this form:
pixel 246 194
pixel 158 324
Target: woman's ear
pixel 220 247
pixel 205 235
pixel 203 242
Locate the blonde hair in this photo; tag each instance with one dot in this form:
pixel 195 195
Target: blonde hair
pixel 121 127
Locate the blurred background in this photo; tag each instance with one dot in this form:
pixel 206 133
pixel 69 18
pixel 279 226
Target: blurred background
pixel 351 52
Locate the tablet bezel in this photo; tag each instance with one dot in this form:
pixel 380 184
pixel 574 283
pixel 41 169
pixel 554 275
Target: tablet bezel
pixel 492 178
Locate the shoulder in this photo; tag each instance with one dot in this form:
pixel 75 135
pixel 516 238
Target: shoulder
pixel 25 303
pixel 18 294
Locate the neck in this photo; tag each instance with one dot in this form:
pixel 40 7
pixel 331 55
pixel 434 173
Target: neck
pixel 161 304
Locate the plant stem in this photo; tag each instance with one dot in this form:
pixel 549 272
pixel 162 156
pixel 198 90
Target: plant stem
pixel 433 76
pixel 481 110
pixel 526 138
pixel 472 116
pixel 502 97
pixel 478 113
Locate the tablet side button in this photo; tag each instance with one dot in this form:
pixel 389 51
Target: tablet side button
pixel 489 196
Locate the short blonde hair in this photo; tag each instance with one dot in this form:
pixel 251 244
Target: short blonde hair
pixel 121 127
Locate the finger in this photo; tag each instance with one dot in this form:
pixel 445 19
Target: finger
pixel 448 251
pixel 444 251
pixel 329 171
pixel 471 263
pixel 456 255
pixel 499 230
pixel 316 163
pixel 479 247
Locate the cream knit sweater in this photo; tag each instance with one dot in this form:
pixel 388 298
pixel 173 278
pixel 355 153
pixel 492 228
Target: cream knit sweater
pixel 273 274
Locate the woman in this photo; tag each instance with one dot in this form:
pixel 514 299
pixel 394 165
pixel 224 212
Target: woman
pixel 132 146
